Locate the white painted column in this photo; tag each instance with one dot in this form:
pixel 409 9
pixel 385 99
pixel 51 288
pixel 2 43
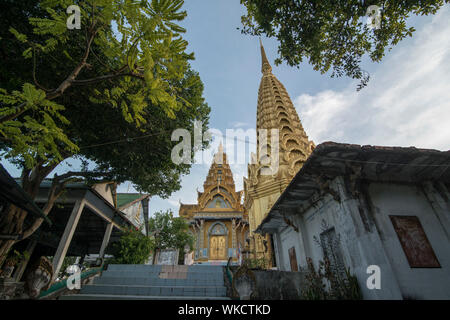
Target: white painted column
pixel 66 238
pixel 106 237
pixel 278 247
pixel 439 204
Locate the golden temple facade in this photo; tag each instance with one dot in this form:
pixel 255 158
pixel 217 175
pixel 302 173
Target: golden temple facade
pixel 217 221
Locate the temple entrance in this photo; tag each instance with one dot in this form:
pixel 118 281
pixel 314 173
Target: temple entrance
pixel 217 248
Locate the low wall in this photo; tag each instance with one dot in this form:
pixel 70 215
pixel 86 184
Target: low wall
pixel 270 285
pixel 278 285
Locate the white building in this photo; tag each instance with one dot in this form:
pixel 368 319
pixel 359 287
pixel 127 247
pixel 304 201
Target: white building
pixel 383 206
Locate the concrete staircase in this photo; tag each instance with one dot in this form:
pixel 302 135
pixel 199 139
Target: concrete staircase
pixel 153 282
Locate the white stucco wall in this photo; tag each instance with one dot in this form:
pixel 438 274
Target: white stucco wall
pixel 407 200
pixel 289 239
pixel 373 242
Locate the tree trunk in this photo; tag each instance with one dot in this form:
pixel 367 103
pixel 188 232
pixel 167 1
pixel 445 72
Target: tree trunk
pixel 13 218
pixel 9 224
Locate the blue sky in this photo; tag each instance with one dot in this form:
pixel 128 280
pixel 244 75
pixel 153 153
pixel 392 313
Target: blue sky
pixel 405 104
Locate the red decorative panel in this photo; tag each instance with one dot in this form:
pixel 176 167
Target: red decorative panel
pixel 414 242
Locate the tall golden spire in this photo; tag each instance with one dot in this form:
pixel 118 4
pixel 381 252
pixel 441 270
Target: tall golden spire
pixel 276 111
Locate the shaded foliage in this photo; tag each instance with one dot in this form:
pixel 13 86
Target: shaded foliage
pixel 333 35
pixel 170 232
pixel 109 94
pixel 133 247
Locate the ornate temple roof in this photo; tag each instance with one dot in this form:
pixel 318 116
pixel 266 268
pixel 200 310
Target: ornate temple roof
pixel 219 193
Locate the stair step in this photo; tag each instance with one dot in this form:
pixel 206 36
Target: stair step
pixel 156 281
pixel 159 268
pixel 129 297
pixel 154 290
pixel 152 282
pixel 158 275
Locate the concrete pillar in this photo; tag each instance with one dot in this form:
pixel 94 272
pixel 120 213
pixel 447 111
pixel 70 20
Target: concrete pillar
pixel 66 238
pixel 279 252
pixel 106 237
pixel 439 204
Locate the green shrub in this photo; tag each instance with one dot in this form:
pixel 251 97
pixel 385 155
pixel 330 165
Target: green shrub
pixel 132 248
pixel 341 286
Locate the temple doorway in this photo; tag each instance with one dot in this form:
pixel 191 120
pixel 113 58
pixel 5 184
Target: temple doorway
pixel 217 248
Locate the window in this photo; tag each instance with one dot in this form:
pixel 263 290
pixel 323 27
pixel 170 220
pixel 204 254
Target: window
pixel 414 242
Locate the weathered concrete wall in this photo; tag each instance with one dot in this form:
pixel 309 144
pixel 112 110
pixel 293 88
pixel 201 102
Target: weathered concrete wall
pixel 367 237
pixel 290 239
pixel 409 200
pixel 272 284
pixel 359 247
pixel 278 285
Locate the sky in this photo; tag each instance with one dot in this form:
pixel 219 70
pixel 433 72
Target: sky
pixel 406 103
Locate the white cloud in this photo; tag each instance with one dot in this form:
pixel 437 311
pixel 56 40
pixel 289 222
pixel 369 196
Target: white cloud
pixel 407 101
pixel 238 124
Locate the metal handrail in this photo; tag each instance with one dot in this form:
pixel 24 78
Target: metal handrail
pixel 63 283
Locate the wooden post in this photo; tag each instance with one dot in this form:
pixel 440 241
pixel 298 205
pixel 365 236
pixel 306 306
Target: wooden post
pixel 106 237
pixel 66 238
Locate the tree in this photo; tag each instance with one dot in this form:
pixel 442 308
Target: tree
pixel 170 232
pixel 133 247
pixel 333 34
pixel 110 94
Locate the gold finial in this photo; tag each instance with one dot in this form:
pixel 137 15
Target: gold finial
pixel 218 157
pixel 265 65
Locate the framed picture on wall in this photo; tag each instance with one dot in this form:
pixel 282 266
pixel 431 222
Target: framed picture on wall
pixel 414 242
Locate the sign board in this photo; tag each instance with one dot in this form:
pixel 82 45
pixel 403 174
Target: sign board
pixel 167 257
